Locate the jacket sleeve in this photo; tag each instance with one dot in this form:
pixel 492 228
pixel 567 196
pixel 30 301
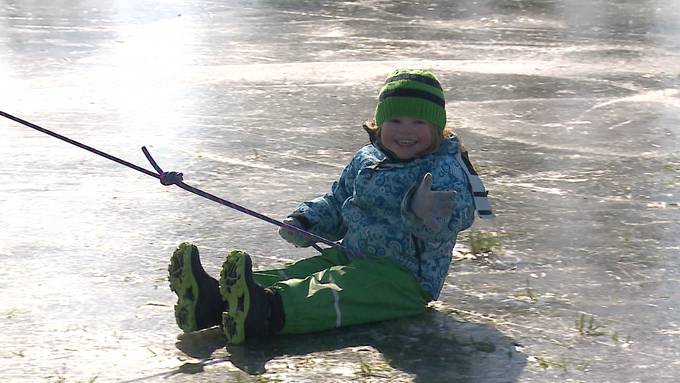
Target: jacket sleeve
pixel 461 219
pixel 448 175
pixel 323 215
pixel 434 247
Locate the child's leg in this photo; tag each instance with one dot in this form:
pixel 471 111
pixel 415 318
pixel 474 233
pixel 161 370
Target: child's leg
pixel 365 290
pixel 199 304
pixel 252 310
pixel 301 269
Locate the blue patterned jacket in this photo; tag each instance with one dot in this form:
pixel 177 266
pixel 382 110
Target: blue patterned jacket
pixel 368 208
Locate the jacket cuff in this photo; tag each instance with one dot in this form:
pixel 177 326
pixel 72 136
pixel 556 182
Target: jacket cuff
pixel 303 221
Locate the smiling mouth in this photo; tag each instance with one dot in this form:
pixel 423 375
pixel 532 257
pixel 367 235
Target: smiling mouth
pixel 406 142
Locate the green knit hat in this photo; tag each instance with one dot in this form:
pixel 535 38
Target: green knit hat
pixel 414 93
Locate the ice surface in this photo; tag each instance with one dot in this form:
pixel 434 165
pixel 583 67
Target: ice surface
pixel 570 110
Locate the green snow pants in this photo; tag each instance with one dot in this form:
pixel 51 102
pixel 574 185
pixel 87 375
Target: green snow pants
pixel 329 291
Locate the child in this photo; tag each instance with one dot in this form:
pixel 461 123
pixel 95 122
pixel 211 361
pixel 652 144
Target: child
pixel 397 208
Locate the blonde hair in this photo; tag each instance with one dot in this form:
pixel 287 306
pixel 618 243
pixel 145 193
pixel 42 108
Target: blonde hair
pixel 438 135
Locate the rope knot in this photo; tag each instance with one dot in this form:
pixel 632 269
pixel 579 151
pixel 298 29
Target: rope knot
pixel 171 178
pixel 167 178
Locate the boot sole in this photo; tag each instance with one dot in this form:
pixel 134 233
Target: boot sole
pixel 183 283
pixel 234 290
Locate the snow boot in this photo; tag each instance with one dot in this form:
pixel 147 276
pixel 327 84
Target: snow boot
pixel 250 305
pixel 199 303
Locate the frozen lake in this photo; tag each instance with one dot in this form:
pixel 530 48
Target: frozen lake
pixel 570 110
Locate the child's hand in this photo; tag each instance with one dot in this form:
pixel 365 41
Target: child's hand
pixel 434 208
pixel 295 237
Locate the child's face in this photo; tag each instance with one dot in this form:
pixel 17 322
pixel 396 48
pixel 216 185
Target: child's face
pixel 406 137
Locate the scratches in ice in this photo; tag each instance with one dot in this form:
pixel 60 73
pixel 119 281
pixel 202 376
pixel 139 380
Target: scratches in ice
pixel 575 151
pixel 239 162
pixel 667 97
pixel 619 124
pixel 317 162
pixel 261 166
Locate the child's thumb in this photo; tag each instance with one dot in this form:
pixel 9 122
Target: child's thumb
pixel 426 183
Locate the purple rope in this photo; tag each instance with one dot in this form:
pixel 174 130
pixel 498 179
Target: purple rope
pixel 78 144
pixel 176 181
pixel 179 182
